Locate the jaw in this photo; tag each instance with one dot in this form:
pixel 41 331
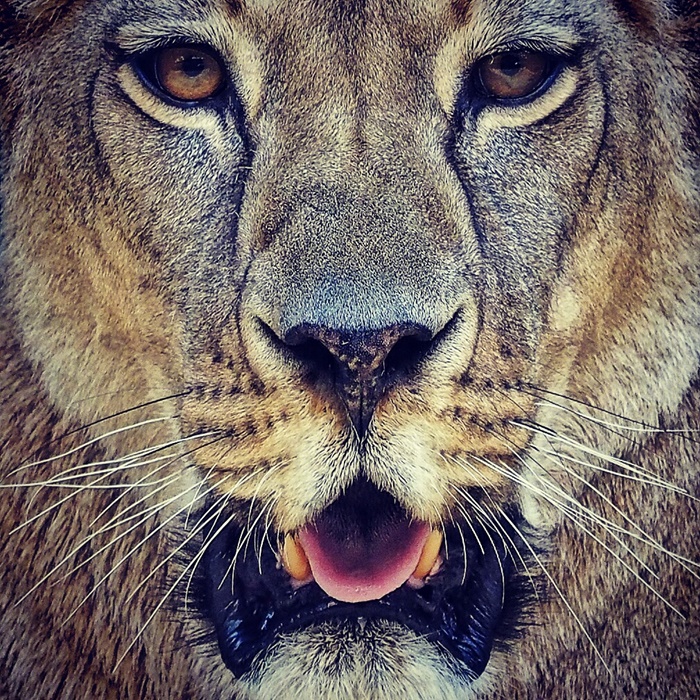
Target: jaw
pixel 364 659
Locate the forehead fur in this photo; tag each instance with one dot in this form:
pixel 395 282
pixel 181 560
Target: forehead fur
pixel 33 17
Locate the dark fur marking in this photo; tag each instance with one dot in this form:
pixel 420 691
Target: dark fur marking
pixel 235 6
pixel 638 13
pixel 460 10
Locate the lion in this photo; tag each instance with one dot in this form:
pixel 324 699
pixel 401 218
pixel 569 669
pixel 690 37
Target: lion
pixel 350 349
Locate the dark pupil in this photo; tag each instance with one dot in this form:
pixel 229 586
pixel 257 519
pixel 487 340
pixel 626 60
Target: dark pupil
pixel 193 66
pixel 510 64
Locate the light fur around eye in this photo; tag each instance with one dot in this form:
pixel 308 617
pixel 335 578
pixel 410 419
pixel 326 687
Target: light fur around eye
pixel 520 114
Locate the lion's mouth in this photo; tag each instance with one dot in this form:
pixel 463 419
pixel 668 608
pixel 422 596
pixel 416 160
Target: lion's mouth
pixel 363 558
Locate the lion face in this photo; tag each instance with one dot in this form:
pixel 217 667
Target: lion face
pixel 368 281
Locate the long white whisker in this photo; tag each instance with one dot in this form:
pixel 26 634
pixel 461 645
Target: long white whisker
pixel 193 564
pixel 172 460
pixel 491 517
pixel 574 515
pixel 469 519
pixel 579 524
pixel 682 432
pixel 592 515
pixel 492 522
pixel 92 441
pixel 97 485
pixel 125 463
pixel 223 500
pixel 561 595
pixel 646 480
pixel 248 530
pixel 150 511
pixel 135 548
pixel 652 430
pixel 622 463
pixel 640 534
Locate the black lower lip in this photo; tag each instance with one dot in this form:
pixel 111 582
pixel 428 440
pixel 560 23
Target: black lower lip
pixel 463 614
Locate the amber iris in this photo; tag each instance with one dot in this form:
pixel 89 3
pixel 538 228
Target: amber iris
pixel 513 75
pixel 188 74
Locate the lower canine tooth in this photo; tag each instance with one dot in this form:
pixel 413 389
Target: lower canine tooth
pixel 431 549
pixel 294 559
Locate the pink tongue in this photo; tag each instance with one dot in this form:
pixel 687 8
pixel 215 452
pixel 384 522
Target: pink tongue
pixel 355 571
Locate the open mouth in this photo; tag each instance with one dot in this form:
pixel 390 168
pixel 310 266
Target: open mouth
pixel 365 558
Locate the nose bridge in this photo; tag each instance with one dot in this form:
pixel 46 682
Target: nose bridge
pixel 356 263
pixel 352 226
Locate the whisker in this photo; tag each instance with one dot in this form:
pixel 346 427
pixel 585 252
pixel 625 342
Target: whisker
pixel 134 549
pixel 574 515
pixel 97 484
pixel 173 460
pixel 685 433
pixel 244 539
pixel 592 515
pixel 243 542
pixel 94 485
pixel 123 412
pixel 126 463
pixel 559 592
pixel 266 533
pixel 62 501
pixel 631 467
pixel 118 519
pixel 469 519
pixel 646 480
pixel 205 519
pixel 541 565
pixel 579 524
pixel 92 441
pixel 641 534
pixel 85 541
pixel 193 564
pixel 492 520
pixel 551 490
pixel 224 500
pixel 650 430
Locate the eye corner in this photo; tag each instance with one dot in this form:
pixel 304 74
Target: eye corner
pixel 115 52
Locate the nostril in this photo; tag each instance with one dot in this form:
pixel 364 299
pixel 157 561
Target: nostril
pixel 310 355
pixel 359 356
pixel 315 356
pixel 406 355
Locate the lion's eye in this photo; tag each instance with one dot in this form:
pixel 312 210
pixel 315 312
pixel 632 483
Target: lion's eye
pixel 513 75
pixel 184 73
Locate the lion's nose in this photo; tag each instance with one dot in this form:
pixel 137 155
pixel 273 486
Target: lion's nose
pixel 360 365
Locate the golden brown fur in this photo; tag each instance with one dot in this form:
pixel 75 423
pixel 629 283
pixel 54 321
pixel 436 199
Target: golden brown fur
pixel 153 259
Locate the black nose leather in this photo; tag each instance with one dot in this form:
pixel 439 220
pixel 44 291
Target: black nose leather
pixel 360 365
